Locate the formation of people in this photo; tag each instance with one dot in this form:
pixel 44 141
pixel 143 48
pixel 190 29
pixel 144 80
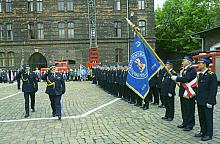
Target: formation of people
pixel 112 79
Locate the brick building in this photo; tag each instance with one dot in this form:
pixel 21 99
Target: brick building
pixel 41 31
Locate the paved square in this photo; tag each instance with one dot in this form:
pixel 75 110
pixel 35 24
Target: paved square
pixel 90 115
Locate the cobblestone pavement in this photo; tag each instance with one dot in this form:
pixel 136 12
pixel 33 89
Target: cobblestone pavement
pixel 90 115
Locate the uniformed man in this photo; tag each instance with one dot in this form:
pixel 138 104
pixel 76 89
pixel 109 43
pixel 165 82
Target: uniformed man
pixel 206 98
pixel 94 75
pixel 55 89
pixel 168 87
pixel 187 75
pixel 160 77
pixel 18 79
pixel 29 87
pixel 154 96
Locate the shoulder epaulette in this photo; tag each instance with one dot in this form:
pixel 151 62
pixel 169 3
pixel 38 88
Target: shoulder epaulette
pixel 210 72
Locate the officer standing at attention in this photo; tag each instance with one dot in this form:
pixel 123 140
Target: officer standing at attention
pixel 168 87
pixel 160 77
pixel 187 74
pixel 206 98
pixel 29 87
pixel 55 89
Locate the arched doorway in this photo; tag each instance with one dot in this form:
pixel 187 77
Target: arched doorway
pixel 37 60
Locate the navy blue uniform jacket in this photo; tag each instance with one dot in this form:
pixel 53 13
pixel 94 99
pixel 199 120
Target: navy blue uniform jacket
pixel 207 88
pixel 55 84
pixel 188 75
pixel 29 81
pixel 168 85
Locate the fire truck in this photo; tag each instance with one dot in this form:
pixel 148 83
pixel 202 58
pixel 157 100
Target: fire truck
pixel 62 66
pixel 215 65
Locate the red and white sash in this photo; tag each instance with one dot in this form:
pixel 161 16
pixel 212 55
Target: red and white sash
pixel 189 92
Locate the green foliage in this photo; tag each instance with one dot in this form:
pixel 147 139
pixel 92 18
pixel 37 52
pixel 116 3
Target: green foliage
pixel 178 19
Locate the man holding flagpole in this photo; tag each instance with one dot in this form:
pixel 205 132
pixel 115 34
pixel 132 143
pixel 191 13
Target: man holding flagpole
pixel 188 79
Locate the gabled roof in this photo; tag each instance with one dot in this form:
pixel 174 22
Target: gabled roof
pixel 205 31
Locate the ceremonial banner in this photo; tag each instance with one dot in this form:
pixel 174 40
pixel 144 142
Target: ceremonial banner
pixel 142 67
pixel 83 71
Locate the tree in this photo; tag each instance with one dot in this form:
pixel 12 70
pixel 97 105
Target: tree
pixel 178 19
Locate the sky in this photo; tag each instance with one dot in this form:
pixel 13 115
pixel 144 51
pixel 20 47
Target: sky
pixel 158 2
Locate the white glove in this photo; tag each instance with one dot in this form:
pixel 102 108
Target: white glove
pixel 170 95
pixel 209 105
pixel 174 78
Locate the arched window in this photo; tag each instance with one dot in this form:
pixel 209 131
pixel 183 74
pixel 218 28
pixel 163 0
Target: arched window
pixel 2 59
pixel 11 59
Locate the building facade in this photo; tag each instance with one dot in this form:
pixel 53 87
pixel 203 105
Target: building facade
pixel 210 39
pixel 38 32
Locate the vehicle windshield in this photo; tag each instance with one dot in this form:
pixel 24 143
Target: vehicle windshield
pixel 61 65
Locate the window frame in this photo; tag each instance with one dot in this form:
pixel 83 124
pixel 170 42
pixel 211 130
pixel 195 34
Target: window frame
pixel 61 30
pixel 9 30
pixel 118 29
pixel 30 5
pixel 40 31
pixel 1 31
pixel 59 6
pixel 8 6
pixel 39 4
pixel 31 32
pixel 1 3
pixel 117 5
pixel 2 59
pixel 70 30
pixel 142 24
pixel 11 59
pixel 67 5
pixel 141 4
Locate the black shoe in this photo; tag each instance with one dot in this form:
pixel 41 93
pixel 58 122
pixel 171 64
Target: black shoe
pixel 181 126
pixel 137 105
pixel 145 108
pixel 155 103
pixel 187 129
pixel 59 117
pixel 32 110
pixel 54 115
pixel 132 102
pixel 161 106
pixel 206 138
pixel 199 134
pixel 27 115
pixel 164 118
pixel 169 119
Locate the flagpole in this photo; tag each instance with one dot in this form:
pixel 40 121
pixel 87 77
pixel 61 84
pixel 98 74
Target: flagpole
pixel 136 30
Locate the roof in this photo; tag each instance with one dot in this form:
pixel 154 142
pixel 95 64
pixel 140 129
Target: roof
pixel 205 31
